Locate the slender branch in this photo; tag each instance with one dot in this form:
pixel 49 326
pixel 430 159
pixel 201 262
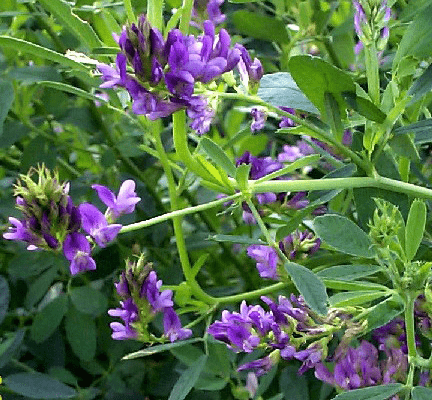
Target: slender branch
pixel 177 214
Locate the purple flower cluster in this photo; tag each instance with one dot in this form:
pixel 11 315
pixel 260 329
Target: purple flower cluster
pixel 284 330
pixel 362 366
pixel 142 298
pixel 52 222
pixel 371 24
pixel 207 10
pixel 296 246
pixel 165 71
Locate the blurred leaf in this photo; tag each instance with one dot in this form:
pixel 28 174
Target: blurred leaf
pixel 260 26
pixel 10 345
pixel 11 132
pixel 4 298
pixel 421 86
pixel 364 107
pixel 38 386
pixel 314 77
pixel 160 348
pixel 88 300
pixel 421 393
pixel 235 239
pixel 218 156
pixel 6 101
pixel 187 380
pixel 280 90
pixel 81 334
pixel 342 284
pixel 382 392
pixel 384 312
pixel 349 272
pixel 47 321
pixel 414 229
pixel 39 51
pixel 343 235
pixel 346 299
pixel 293 385
pixel 309 285
pixel 34 73
pixel 39 287
pixel 81 29
pixel 39 150
pixel 417 39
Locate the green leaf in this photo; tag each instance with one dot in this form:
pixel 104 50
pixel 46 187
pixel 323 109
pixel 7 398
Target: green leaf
pixel 382 392
pixel 235 239
pixel 421 393
pixel 414 229
pixel 81 334
pixel 71 89
pixel 38 386
pixel 29 75
pixel 403 145
pixel 10 345
pixel 364 107
pixel 47 321
pixel 356 298
pixel 333 115
pixel 343 235
pixel 88 300
pixel 218 156
pixel 4 298
pixel 6 101
pixel 384 312
pixel 293 385
pixel 187 380
pixel 349 272
pixel 421 86
pixel 260 26
pixel 421 129
pixel 309 285
pixel 341 284
pixel 40 286
pixel 315 77
pixel 280 90
pixel 39 51
pixel 38 150
pixel 159 348
pixel 417 39
pixel 242 175
pixel 81 29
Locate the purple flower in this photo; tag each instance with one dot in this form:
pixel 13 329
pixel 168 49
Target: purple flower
pixel 207 10
pixel 287 122
pixel 76 249
pixel 96 225
pixel 259 118
pixel 250 71
pixel 114 77
pixel 260 366
pixel 122 332
pixel 125 201
pixel 266 258
pixel 172 326
pixel 19 231
pixel 200 113
pixel 151 292
pixel 300 244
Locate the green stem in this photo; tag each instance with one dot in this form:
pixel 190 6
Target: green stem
pixel 182 149
pixel 178 230
pixel 178 213
pixel 372 73
pixel 409 326
pixel 129 11
pixel 340 183
pixel 252 294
